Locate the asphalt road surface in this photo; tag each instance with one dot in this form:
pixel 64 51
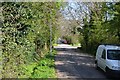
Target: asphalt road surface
pixel 73 64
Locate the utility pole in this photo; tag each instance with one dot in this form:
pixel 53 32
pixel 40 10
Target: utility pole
pixel 50 34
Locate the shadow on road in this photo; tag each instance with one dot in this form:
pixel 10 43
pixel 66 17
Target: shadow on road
pixel 73 64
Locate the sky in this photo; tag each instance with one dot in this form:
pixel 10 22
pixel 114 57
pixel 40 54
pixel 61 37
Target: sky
pixel 74 9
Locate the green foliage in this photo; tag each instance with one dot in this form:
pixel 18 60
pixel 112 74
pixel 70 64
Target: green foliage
pixel 25 35
pixel 102 28
pixel 45 68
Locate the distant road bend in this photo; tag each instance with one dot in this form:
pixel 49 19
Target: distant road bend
pixel 73 64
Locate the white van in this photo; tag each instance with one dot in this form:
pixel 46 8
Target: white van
pixel 108 59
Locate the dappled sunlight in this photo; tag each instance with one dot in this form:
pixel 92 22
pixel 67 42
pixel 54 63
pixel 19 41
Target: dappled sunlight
pixel 75 65
pixel 86 64
pixel 59 63
pixel 70 62
pixel 65 46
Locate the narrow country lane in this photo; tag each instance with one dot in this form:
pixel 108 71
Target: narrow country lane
pixel 75 65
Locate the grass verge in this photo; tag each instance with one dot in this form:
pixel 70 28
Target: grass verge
pixel 45 68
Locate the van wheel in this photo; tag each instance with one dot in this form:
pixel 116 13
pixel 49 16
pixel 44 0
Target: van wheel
pixel 96 66
pixel 107 73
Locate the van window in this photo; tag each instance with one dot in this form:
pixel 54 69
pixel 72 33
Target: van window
pixel 104 54
pixel 113 54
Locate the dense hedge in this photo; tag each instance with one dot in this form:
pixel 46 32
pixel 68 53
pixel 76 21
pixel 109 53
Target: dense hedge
pixel 25 33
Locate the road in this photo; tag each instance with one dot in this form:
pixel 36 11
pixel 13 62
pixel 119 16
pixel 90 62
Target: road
pixel 75 65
